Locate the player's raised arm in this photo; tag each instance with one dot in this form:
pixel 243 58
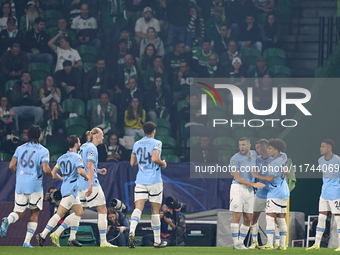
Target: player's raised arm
pixel 155 159
pixel 133 160
pixel 46 169
pixel 13 165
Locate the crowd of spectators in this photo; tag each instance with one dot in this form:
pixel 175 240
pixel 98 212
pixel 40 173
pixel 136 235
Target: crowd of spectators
pixel 148 52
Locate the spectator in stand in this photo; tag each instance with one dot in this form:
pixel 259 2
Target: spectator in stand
pixel 86 28
pixel 118 60
pixel 250 34
pixel 134 118
pixel 36 43
pixel 65 52
pixel 5 13
pixel 132 46
pixel 208 6
pixel 10 35
pixel 195 29
pixel 259 71
pixel 132 91
pixel 12 6
pixel 112 150
pixel 13 141
pixel 214 23
pixel 14 63
pixel 266 6
pixel 177 11
pixel 270 32
pixel 237 12
pixel 146 60
pixel 54 124
pixel 212 66
pixel 185 76
pixel 145 22
pixel 123 74
pixel 49 92
pixel 173 59
pixel 201 56
pixel 221 42
pixel 227 57
pixel 204 151
pixel 97 81
pixel 7 125
pixel 69 81
pixel 63 31
pixel 25 99
pixel 153 39
pixel 151 73
pixel 27 20
pixel 159 101
pixel 237 73
pixel 104 114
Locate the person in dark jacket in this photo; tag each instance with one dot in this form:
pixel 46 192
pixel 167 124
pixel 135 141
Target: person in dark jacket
pixel 250 34
pixel 221 42
pixel 36 43
pixel 10 35
pixel 25 99
pixel 270 32
pixel 204 151
pixel 131 92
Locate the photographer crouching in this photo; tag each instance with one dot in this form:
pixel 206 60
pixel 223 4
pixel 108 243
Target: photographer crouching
pixel 173 225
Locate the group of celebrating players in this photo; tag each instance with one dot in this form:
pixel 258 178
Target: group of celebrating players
pixel 81 188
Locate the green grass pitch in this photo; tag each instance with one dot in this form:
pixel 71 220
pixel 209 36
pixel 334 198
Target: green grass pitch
pixel 10 250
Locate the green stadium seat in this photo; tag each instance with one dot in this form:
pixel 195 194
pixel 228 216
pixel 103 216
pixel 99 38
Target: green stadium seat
pixel 224 156
pixel 243 132
pixel 39 71
pixel 88 66
pixel 77 121
pixel 87 53
pixel 55 157
pixel 84 235
pixel 171 158
pixel 275 56
pixel 268 133
pixel 169 145
pixel 251 55
pixel 38 83
pixel 9 84
pixel 74 106
pixel 5 156
pixel 182 104
pixel 76 130
pixel 225 142
pixel 261 18
pixel 51 18
pixel 163 123
pixel 161 131
pixel 281 71
pixel 193 141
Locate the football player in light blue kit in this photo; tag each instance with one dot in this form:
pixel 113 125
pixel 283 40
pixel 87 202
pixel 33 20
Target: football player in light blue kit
pixel 242 191
pixel 91 193
pixel 261 194
pixel 71 166
pixel 330 194
pixel 29 162
pixel 278 193
pixel 149 186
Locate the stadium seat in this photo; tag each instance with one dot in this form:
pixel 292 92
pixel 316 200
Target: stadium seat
pixel 90 104
pixel 216 113
pixel 268 133
pixel 77 121
pixel 5 156
pixel 87 53
pixel 88 66
pixel 251 55
pixel 171 158
pixel 225 142
pixel 38 83
pixel 182 104
pixel 168 145
pixel 161 131
pixel 168 49
pixel 224 156
pixel 84 235
pixel 74 106
pixel 163 123
pixel 76 130
pixel 193 140
pixel 55 157
pixel 261 18
pixel 243 132
pixel 281 71
pixel 275 56
pixel 9 84
pixel 39 71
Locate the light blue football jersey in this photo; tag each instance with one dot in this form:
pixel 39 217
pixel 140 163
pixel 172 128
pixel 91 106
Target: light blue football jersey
pixel 261 167
pixel 331 177
pixel 29 172
pixel 244 164
pixel 89 153
pixel 149 173
pixel 68 165
pixel 278 188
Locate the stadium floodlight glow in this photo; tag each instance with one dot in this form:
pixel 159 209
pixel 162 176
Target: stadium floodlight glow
pixel 239 99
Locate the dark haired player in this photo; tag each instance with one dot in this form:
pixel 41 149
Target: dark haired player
pixel 149 186
pixel 29 162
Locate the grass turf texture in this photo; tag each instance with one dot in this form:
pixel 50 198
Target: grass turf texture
pixel 9 250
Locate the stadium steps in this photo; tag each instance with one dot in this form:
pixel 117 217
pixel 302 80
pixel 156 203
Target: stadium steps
pixel 302 43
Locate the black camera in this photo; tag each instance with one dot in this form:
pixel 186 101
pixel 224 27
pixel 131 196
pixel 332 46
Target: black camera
pixel 118 205
pixel 168 214
pixel 55 196
pixel 173 203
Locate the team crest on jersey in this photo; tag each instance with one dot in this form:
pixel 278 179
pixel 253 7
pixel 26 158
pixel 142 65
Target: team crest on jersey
pixel 233 162
pixel 81 161
pixel 21 172
pixel 249 159
pixel 91 153
pixel 158 146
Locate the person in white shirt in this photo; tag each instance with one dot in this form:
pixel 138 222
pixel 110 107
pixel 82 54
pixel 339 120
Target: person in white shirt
pixel 145 22
pixel 86 27
pixel 65 52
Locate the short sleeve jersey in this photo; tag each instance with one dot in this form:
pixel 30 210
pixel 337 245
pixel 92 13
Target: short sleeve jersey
pixel 244 164
pixel 331 177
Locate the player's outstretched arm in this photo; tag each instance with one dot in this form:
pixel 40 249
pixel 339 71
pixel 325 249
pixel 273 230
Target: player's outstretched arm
pixel 46 169
pixel 133 160
pixel 81 171
pixel 155 159
pixel 13 165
